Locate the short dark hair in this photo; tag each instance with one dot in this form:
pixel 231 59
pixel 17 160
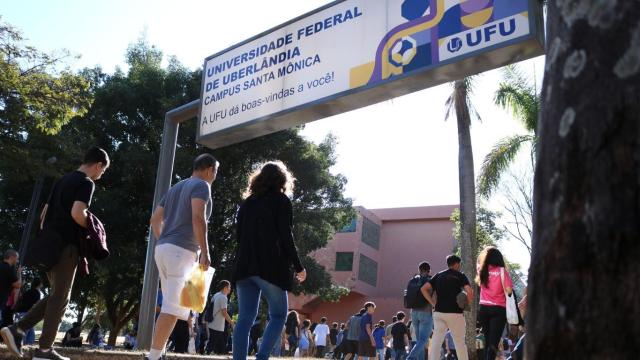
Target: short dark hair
pixel 306 323
pixel 96 155
pixel 10 253
pixel 424 267
pixel 381 323
pixel 362 311
pixel 223 284
pixel 400 315
pixel 342 326
pixel 323 320
pixel 369 304
pixel 335 325
pixel 394 319
pixel 204 161
pixel 453 259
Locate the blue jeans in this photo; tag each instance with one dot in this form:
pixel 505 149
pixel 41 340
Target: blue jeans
pixel 249 291
pixel 423 322
pixel 29 335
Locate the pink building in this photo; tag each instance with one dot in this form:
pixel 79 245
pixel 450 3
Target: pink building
pixel 376 256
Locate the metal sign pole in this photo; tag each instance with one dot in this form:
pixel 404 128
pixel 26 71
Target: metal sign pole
pixel 148 299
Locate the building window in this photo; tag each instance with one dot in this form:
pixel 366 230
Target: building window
pixel 370 233
pixel 344 261
pixel 351 227
pixel 368 271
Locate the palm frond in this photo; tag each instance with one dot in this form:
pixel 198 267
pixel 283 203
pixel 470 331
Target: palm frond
pixel 497 162
pixel 518 94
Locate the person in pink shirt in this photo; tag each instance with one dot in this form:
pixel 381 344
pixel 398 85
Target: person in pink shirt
pixel 493 303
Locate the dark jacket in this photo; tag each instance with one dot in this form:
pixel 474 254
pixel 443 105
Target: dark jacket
pixel 265 240
pixel 93 242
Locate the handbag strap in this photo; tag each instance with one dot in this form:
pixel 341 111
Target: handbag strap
pixel 502 280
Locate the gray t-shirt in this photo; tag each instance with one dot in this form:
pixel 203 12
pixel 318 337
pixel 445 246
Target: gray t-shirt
pixel 219 303
pixel 178 229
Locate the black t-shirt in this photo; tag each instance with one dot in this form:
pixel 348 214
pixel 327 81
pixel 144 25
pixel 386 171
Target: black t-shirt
pixel 333 336
pixel 75 186
pixel 447 285
pixel 8 276
pixel 398 331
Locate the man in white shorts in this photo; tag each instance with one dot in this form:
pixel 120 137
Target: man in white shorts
pixel 179 224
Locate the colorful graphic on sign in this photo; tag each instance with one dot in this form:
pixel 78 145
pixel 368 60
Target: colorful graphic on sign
pixel 439 30
pixel 353 53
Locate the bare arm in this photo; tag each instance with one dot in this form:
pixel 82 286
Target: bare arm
pixel 198 208
pixel 157 222
pixel 226 316
pixel 426 290
pixel 79 213
pixel 469 292
pixel 373 341
pixel 43 214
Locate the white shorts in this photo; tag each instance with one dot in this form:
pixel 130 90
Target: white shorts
pixel 174 265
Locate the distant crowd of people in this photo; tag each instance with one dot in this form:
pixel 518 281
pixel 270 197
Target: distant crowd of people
pixel 266 266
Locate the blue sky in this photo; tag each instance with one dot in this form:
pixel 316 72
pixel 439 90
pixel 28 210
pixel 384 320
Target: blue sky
pixel 397 153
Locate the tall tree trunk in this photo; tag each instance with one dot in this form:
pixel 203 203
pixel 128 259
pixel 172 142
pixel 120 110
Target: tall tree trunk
pixel 468 247
pixel 583 281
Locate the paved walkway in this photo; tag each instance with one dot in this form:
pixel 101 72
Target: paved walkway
pixel 83 354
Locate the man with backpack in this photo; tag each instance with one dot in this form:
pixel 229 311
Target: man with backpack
pixel 63 217
pixel 215 317
pixel 421 311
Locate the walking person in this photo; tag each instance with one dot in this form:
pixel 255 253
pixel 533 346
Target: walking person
pixel 10 282
pixel 399 332
pixel 65 214
pixel 493 303
pixel 389 338
pixel 28 300
pixel 353 335
pixel 265 256
pixel 378 335
pixel 366 342
pixel 321 333
pixel 179 224
pixel 305 338
pixel 219 314
pixel 292 331
pixel 421 314
pixel 447 285
pixel 333 336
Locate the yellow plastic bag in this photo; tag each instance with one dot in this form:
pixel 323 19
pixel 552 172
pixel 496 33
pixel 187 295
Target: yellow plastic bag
pixel 196 287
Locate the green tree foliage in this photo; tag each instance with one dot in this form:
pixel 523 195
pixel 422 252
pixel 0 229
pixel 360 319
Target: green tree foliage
pixel 37 99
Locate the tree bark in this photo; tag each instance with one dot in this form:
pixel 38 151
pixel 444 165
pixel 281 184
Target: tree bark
pixel 583 281
pixel 467 203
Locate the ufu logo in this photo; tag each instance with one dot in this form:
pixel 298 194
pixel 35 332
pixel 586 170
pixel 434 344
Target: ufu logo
pixel 483 35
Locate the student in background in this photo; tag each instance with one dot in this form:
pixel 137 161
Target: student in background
pixel 378 335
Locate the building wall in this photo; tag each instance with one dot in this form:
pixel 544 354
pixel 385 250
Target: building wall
pixel 407 237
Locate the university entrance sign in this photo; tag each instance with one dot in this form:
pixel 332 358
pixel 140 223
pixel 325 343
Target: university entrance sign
pixel 354 53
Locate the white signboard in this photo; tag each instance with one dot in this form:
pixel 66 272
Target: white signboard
pixel 353 53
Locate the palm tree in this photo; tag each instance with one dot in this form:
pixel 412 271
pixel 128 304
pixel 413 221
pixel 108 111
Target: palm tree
pixel 519 95
pixel 460 102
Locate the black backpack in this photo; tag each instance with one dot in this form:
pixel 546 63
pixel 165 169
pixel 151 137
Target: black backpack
pixel 44 251
pixel 413 298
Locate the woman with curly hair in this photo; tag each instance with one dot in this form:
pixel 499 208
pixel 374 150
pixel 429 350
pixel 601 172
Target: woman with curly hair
pixel 494 281
pixel 266 257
